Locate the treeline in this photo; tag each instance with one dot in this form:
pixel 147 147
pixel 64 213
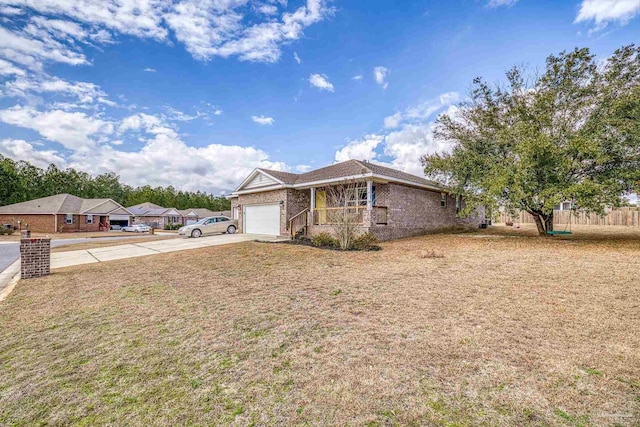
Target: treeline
pixel 21 181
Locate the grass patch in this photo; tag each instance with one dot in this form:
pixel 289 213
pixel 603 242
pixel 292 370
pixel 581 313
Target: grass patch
pixel 499 331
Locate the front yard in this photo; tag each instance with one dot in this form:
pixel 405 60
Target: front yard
pixel 473 329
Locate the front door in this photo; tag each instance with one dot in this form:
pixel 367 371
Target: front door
pixel 321 205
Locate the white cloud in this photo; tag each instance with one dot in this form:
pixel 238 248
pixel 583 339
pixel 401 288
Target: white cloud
pixel 321 81
pixel 206 28
pixel 217 112
pixel 380 75
pixel 7 69
pixel 498 3
pixel 74 130
pixel 393 121
pixel 302 168
pixel 86 93
pixel 164 159
pixel 357 77
pixel 263 120
pixel 410 136
pixel 219 29
pixel 149 70
pixel 297 58
pixel 603 12
pixel 423 111
pixel 20 149
pixel 363 149
pixel 11 11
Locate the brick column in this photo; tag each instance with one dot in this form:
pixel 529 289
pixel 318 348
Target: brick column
pixel 35 257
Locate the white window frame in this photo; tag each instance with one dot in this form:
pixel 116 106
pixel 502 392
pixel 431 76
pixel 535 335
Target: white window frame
pixel 89 219
pixel 357 196
pixel 443 200
pixel 68 218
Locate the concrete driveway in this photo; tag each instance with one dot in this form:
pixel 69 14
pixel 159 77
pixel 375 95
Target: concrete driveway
pixel 110 253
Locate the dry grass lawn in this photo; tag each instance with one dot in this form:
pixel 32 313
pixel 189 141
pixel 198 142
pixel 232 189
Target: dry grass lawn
pixel 469 329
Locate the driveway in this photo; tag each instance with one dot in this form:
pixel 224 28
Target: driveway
pixel 110 253
pixel 10 251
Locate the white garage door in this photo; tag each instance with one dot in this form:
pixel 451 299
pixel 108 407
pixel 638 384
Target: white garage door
pixel 262 219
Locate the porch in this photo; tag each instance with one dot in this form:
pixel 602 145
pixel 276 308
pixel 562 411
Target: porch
pixel 354 203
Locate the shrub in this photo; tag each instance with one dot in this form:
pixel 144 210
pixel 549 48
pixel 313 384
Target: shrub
pixel 172 226
pixel 324 240
pixel 365 242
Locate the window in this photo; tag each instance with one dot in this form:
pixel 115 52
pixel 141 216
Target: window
pixel 223 219
pixel 443 200
pixel 357 196
pixel 68 218
pixel 89 219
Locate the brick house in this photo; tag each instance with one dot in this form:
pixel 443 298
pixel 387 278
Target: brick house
pixel 154 216
pixel 61 213
pixel 191 216
pixel 387 202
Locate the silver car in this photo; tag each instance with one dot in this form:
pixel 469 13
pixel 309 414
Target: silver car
pixel 210 225
pixel 138 228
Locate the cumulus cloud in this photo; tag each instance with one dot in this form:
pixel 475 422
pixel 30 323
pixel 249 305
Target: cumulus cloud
pixel 422 111
pixel 380 75
pixel 263 120
pixel 321 81
pixel 363 149
pixel 21 149
pixel 85 93
pixel 408 137
pixel 603 12
pixel 206 29
pixel 498 3
pixel 74 130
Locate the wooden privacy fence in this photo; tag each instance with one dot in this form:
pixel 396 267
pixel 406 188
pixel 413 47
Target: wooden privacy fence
pixel 629 217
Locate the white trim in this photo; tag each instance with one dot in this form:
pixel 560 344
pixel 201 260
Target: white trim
pixel 258 190
pixel 252 175
pixel 369 194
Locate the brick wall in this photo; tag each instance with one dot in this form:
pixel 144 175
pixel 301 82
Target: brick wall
pixel 37 223
pixel 35 257
pixel 79 224
pixel 274 196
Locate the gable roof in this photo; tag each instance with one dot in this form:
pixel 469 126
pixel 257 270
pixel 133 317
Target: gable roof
pixel 149 209
pixel 350 169
pixel 63 204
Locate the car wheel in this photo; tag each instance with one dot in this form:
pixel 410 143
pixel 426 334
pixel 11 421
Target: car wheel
pixel 196 233
pixel 231 229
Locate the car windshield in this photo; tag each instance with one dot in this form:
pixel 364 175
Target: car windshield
pixel 202 221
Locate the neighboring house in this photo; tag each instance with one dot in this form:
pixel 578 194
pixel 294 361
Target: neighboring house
pixel 154 215
pixel 62 213
pixel 389 203
pixel 191 216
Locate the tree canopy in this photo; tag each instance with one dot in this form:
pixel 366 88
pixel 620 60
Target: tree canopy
pixel 571 133
pixel 21 181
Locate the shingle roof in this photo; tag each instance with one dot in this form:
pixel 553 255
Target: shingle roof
pixel 60 203
pixel 346 169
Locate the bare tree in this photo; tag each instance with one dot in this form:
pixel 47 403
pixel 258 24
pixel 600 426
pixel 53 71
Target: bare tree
pixel 345 210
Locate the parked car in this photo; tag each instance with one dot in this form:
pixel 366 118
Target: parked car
pixel 138 228
pixel 116 227
pixel 210 225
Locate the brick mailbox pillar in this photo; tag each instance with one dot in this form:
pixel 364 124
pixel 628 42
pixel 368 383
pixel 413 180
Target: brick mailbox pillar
pixel 35 255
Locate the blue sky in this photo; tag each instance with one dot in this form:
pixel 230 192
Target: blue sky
pixel 195 94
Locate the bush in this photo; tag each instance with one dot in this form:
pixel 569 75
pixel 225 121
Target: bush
pixel 365 242
pixel 172 226
pixel 324 240
pixel 7 231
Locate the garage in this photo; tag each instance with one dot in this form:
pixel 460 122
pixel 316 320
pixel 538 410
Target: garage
pixel 262 219
pixel 121 220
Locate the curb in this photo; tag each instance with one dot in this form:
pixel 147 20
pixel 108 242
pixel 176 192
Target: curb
pixel 10 276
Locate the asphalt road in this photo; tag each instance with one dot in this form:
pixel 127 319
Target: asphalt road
pixel 10 251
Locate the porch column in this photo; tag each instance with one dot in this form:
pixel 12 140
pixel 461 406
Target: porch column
pixel 369 195
pixel 313 199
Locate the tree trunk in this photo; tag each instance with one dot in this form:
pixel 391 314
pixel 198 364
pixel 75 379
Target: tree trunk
pixel 544 222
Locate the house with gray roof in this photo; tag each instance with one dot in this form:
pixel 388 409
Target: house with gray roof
pixel 154 216
pixel 191 216
pixel 61 213
pixel 385 201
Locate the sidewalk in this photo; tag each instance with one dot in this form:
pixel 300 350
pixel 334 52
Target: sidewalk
pixel 110 253
pixel 8 279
